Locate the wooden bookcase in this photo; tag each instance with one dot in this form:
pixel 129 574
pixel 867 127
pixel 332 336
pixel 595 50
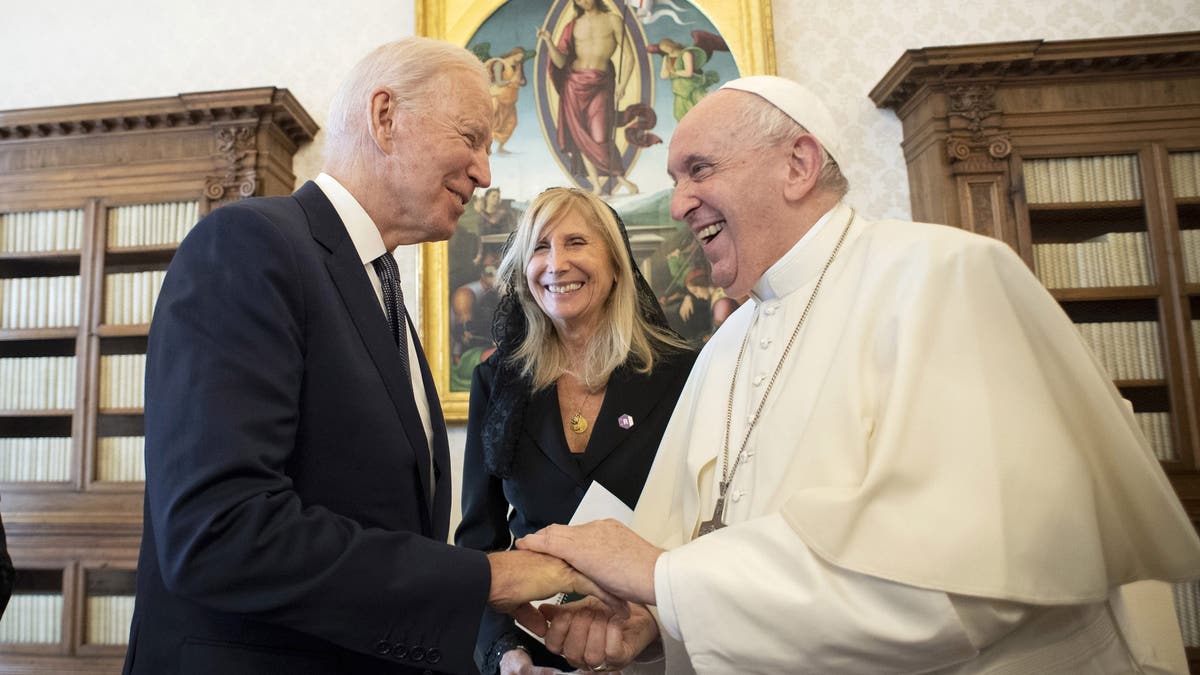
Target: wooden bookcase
pixel 94 199
pixel 1084 156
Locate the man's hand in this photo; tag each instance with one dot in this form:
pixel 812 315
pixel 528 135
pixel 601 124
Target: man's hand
pixel 587 635
pixel 519 577
pixel 607 552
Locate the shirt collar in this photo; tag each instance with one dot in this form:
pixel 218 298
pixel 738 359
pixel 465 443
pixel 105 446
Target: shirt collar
pixel 803 261
pixel 362 230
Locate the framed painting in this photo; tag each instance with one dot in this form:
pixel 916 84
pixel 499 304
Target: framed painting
pixel 569 108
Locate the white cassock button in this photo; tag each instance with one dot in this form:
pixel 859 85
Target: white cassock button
pixel 737 496
pixel 764 343
pixel 758 380
pixel 769 310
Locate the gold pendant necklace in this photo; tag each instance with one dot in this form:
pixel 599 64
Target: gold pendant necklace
pixel 578 423
pixel 717 521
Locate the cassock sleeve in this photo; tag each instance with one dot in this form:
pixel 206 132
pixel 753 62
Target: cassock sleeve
pixel 783 610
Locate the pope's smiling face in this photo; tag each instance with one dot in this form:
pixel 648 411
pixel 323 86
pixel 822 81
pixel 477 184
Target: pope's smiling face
pixel 726 190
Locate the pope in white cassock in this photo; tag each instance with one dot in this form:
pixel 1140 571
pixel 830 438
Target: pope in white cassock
pixel 899 457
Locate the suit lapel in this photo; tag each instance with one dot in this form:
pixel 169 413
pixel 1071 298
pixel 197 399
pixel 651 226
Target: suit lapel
pixel 439 506
pixel 350 277
pixel 544 421
pixel 627 394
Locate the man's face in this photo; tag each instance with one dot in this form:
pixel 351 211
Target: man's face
pixel 439 158
pixel 726 191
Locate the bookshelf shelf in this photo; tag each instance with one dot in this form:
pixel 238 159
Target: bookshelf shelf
pixel 123 330
pixel 1140 384
pixel 35 412
pixel 107 205
pixel 1106 293
pixel 1108 219
pixel 40 256
pixel 20 334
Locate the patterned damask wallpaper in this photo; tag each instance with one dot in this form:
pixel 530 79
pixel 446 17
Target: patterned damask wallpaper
pixel 842 48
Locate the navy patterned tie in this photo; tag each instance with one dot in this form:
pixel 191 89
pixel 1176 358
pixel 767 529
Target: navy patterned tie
pixel 393 299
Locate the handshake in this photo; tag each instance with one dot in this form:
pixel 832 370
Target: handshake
pixel 602 559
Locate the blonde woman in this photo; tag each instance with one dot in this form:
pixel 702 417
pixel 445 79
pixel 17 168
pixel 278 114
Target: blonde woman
pixel 580 389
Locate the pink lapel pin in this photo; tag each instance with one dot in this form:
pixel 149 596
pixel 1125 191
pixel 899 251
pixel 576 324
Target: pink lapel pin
pixel 625 421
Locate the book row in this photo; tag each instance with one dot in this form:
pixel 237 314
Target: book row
pixel 1190 240
pixel 1114 259
pixel 41 459
pixel 39 302
pixel 1107 178
pixel 108 619
pixel 150 224
pixel 129 297
pixel 1156 427
pixel 120 459
pixel 1187 608
pixel 32 618
pixel 1185 174
pixel 40 231
pixel 1128 350
pixel 122 381
pixel 37 383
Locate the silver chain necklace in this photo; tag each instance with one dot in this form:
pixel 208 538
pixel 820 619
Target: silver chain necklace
pixel 727 473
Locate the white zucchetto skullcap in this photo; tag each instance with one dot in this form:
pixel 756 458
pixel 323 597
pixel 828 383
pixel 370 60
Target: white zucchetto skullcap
pixel 798 103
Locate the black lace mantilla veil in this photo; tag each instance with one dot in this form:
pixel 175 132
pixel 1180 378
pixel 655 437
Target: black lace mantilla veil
pixel 510 390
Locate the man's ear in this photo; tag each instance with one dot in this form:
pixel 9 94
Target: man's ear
pixel 804 166
pixel 383 114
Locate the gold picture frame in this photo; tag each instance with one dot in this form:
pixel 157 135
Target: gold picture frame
pixel 745 26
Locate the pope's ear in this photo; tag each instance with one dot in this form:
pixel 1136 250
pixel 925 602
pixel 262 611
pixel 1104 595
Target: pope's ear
pixel 383 117
pixel 804 166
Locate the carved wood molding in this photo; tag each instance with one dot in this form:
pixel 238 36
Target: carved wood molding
pixel 235 162
pixel 265 104
pixel 949 66
pixel 974 120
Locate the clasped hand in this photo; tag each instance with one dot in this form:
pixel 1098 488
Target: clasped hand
pixel 610 559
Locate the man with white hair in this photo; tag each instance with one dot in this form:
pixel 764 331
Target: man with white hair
pixel 297 468
pixel 898 457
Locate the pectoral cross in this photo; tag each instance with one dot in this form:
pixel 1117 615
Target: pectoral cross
pixel 715 523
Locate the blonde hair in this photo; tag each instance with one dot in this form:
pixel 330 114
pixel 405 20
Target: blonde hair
pixel 415 70
pixel 625 334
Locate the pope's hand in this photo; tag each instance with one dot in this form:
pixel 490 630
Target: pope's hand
pixel 605 551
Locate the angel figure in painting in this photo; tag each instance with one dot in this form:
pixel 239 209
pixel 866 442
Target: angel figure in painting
pixel 507 76
pixel 591 65
pixel 684 67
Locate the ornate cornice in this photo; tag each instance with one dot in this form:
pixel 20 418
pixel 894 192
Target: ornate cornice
pixel 204 109
pixel 974 120
pixel 950 66
pixel 236 177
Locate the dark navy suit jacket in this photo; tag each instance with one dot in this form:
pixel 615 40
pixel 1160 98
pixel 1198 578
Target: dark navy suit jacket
pixel 289 526
pixel 547 480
